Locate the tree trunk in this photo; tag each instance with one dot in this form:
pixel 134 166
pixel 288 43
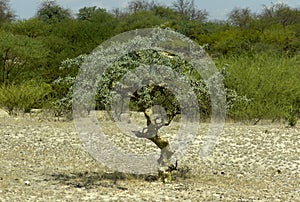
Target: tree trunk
pixel 164 173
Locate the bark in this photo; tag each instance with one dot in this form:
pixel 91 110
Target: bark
pixel 160 142
pixel 151 133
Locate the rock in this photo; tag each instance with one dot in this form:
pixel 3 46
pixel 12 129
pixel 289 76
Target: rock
pixel 3 114
pixel 36 111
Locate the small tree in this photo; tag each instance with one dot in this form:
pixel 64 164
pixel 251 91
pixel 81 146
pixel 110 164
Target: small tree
pixel 153 96
pixel 51 12
pixel 157 82
pixel 242 18
pixel 187 9
pixel 16 52
pixel 280 13
pixel 6 13
pixel 94 14
pixel 146 89
pixel 86 13
pixel 140 5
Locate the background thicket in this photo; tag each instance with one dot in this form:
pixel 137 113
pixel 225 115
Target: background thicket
pixel 259 52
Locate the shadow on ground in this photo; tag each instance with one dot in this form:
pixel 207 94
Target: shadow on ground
pixel 89 180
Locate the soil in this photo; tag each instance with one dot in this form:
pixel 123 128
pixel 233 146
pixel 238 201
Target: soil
pixel 44 160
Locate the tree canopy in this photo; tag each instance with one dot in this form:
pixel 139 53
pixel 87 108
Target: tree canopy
pixel 6 14
pixel 50 11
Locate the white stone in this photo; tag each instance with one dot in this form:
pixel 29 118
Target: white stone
pixel 27 183
pixel 3 114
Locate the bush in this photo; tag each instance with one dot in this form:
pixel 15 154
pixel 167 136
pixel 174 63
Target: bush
pixel 271 82
pixel 24 97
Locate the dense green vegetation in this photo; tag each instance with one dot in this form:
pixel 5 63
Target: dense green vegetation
pixel 261 52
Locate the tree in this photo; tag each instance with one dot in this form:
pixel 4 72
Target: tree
pixel 32 28
pixel 6 13
pixel 86 13
pixel 280 13
pixel 187 9
pixel 95 15
pixel 242 18
pixel 199 15
pixel 155 99
pixel 138 20
pixel 89 13
pixel 182 6
pixel 97 26
pixel 118 13
pixel 165 12
pixel 16 53
pixel 51 12
pixel 150 91
pixel 139 5
pixel 145 90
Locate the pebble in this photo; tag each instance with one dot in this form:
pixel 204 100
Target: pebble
pixel 256 165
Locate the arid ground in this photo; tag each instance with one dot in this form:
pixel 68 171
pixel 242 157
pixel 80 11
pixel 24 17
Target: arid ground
pixel 44 160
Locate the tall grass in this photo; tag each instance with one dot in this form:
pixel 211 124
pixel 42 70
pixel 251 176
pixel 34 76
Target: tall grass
pixel 272 82
pixel 23 97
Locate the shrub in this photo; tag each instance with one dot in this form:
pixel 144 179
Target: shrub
pixel 270 81
pixel 23 97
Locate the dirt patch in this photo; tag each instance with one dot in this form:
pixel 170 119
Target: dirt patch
pixel 45 161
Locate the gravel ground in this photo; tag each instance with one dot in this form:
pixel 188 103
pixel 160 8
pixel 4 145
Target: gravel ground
pixel 45 161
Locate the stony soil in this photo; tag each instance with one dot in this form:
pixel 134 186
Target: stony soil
pixel 45 161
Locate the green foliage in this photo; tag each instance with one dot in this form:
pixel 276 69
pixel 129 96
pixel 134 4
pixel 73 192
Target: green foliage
pixel 86 13
pixel 94 14
pixel 292 120
pixel 139 20
pixel 32 28
pixel 25 96
pixel 242 18
pixel 50 12
pixel 149 95
pixel 16 53
pixel 6 14
pixel 281 39
pixel 271 82
pixel 260 51
pixel 119 79
pixel 187 10
pixel 191 29
pixel 234 41
pixel 63 86
pixel 165 13
pixel 100 27
pixel 138 5
pixel 280 13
